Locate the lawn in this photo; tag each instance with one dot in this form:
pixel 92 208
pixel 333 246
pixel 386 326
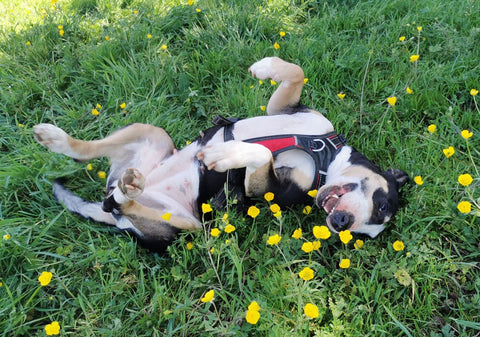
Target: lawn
pixel 92 66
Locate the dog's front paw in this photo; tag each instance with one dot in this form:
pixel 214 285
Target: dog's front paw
pixel 263 69
pixel 132 183
pixel 52 137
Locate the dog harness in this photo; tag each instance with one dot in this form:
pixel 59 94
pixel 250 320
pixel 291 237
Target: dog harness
pixel 322 148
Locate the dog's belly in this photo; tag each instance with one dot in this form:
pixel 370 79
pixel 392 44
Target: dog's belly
pixel 298 123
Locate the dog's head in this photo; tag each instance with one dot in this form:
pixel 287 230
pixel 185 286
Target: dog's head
pixel 359 196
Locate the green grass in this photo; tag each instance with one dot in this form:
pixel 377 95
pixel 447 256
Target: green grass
pixel 105 285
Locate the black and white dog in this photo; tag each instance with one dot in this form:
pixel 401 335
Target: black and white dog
pixel 155 191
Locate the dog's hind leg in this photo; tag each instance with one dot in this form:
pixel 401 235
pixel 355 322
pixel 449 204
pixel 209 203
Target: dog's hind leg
pixel 287 95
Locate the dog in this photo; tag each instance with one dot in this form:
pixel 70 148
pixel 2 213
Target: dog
pixel 155 191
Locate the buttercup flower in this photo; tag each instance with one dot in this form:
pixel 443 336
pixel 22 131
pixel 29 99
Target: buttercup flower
pixel 345 236
pixel 467 134
pixel 99 107
pixel 316 245
pixel 252 316
pixel 206 208
pixel 163 47
pixel 448 152
pixel 276 46
pixel 282 33
pixel 208 297
pixel 464 207
pixel 254 306
pixel 392 100
pixel 432 128
pixel 149 36
pixel 7 237
pixel 341 95
pixel 253 211
pixel 273 240
pixel 312 193
pixel 45 278
pixel 414 58
pixel 306 274
pixel 278 214
pixel 101 174
pixel 229 229
pixel 307 209
pixel 225 218
pixel 123 105
pixel 269 196
pixel 297 234
pixel 474 92
pixel 272 82
pixel 311 310
pixel 408 90
pixel 263 108
pixel 401 38
pixel 89 167
pixel 465 179
pixel 215 232
pixel 344 263
pixel 419 28
pixel 398 246
pixel 305 80
pixel 107 38
pixel 321 232
pixel 189 245
pixel 307 247
pixel 95 112
pixel 167 216
pixel 358 244
pixel 275 208
pixel 52 329
pixel 418 180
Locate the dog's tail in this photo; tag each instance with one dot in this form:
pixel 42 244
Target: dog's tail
pixel 75 204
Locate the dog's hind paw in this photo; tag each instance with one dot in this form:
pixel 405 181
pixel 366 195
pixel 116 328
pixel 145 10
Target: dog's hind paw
pixel 263 69
pixel 53 138
pixel 132 183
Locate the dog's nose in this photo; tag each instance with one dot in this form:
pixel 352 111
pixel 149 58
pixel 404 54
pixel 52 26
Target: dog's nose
pixel 341 220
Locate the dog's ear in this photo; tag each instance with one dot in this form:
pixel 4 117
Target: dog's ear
pixel 400 176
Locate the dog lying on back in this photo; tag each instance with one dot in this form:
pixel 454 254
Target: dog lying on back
pixel 155 191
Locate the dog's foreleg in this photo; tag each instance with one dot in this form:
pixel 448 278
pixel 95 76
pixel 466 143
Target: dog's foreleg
pixel 256 159
pixel 291 77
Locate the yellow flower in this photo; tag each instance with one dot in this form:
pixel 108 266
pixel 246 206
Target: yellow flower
pixel 260 82
pixel 401 38
pixel 321 232
pixel 465 179
pixel 208 297
pixel 278 214
pixel 358 244
pixel 448 152
pixel 101 174
pixel 7 237
pixel 414 58
pixel 52 329
pixel 190 2
pixel 163 47
pixel 273 240
pixel 89 167
pixel 229 229
pixel 419 28
pixel 269 196
pixel 344 263
pixel 272 82
pixel 432 128
pixel 398 245
pixel 464 207
pixel 263 107
pixel 254 306
pixel 212 250
pixel 149 36
pixel 409 90
pixel 307 210
pixel 95 112
pixel 189 245
pixel 316 245
pixel 45 278
pixel 252 316
pixel 345 236
pixel 276 46
pixel 107 38
pixel 28 43
pixel 206 208
pixel 392 100
pixel 312 193
pixel 297 234
pixel 215 232
pixel 253 211
pixel 474 92
pixel 307 247
pixel 167 216
pixel 61 32
pixel 311 310
pixel 341 95
pixel 60 27
pixel 135 12
pixel 305 80
pixel 225 218
pixel 123 105
pixel 99 107
pixel 227 241
pixel 275 208
pixel 467 134
pixel 282 33
pixel 418 180
pixel 198 10
pixel 306 274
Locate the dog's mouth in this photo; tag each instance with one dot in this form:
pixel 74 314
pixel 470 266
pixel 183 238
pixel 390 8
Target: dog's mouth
pixel 330 198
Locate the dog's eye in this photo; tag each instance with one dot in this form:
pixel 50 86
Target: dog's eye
pixel 383 207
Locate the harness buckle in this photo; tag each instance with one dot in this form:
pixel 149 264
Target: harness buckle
pixel 317 145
